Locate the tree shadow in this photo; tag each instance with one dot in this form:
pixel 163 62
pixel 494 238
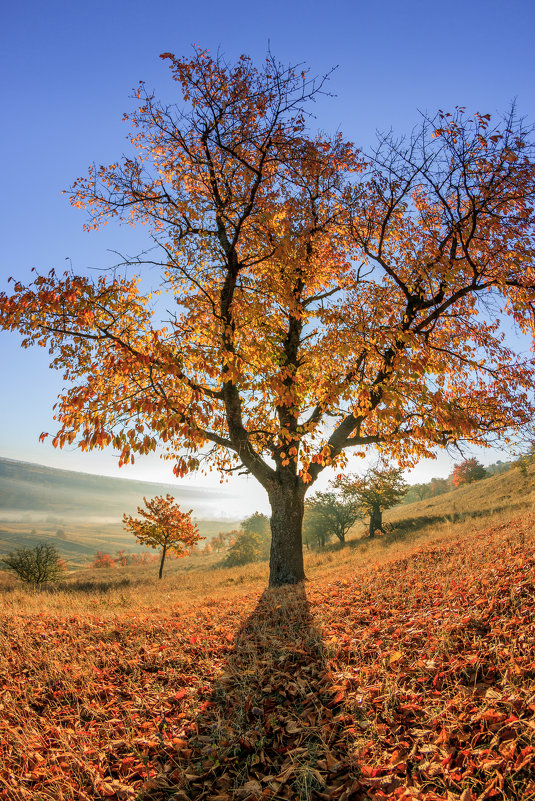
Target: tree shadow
pixel 272 724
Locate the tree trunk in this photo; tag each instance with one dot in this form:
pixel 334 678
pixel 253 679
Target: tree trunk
pixel 164 551
pixel 376 520
pixel 286 558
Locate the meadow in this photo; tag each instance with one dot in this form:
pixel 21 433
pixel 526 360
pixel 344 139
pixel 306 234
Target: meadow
pixel 404 668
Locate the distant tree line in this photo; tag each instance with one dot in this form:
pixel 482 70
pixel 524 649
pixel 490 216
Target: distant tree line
pixel 465 472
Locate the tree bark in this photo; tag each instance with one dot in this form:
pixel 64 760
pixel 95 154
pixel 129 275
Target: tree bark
pixel 286 558
pixel 376 520
pixel 164 551
pixel 340 533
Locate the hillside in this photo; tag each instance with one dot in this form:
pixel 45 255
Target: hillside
pixel 393 673
pixel 81 512
pixel 510 491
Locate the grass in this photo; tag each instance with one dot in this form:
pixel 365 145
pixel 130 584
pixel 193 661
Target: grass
pixel 403 669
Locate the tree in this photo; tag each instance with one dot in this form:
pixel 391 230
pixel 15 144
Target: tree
pixel 416 492
pixel 163 526
pixel 222 540
pixel 378 489
pixel 251 543
pixel 36 565
pixel 248 546
pixel 468 471
pixel 122 558
pixel 338 508
pixel 321 300
pixel 256 523
pixel 316 531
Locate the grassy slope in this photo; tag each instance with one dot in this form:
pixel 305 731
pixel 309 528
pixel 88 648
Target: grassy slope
pixel 401 670
pixel 507 492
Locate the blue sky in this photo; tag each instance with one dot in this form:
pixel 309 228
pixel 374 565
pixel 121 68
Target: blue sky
pixel 68 69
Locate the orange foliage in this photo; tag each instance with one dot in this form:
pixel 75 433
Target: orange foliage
pixel 103 560
pixel 322 300
pixel 466 472
pixel 163 526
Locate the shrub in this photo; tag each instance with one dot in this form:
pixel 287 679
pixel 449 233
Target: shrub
pixel 467 472
pixel 252 542
pixel 103 560
pixel 249 546
pixel 35 565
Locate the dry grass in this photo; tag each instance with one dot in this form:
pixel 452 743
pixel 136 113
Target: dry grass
pixel 510 492
pixel 404 668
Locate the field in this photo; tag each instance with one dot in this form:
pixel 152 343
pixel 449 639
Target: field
pixel 81 513
pixel 403 669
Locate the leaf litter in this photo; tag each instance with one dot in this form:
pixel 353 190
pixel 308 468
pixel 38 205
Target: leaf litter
pixel 414 679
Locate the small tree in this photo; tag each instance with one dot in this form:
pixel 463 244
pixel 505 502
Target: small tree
pixel 222 540
pixel 468 471
pixel 257 523
pixel 316 531
pixel 249 546
pixel 523 461
pixel 35 565
pixel 103 560
pixel 163 526
pixel 378 489
pixel 252 541
pixel 122 558
pixel 335 510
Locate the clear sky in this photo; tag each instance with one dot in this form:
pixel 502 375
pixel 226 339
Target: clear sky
pixel 68 69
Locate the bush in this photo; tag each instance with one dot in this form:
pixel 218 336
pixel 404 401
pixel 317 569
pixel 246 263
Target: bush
pixel 35 565
pixel 249 546
pixel 252 542
pixel 103 560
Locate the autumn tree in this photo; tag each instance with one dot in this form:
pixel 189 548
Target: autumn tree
pixel 103 560
pixel 338 508
pixel 321 300
pixel 468 471
pixel 163 525
pixel 222 540
pixel 378 489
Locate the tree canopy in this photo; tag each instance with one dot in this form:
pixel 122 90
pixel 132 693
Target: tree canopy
pixel 320 299
pixel 380 488
pixel 163 525
pixel 468 471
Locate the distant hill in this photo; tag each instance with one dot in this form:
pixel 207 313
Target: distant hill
pixel 82 512
pixel 510 491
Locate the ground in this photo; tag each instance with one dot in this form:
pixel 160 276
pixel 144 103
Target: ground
pixel 399 670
